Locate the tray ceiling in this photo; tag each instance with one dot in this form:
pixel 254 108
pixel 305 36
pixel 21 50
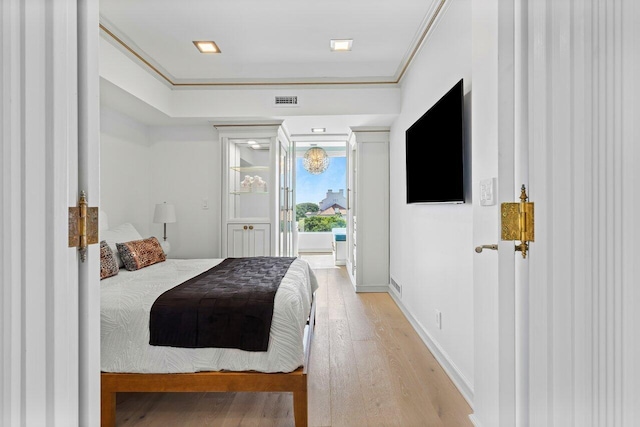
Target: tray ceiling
pixel 263 42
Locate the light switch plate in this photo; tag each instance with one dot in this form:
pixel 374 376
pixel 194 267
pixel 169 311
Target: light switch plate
pixel 488 192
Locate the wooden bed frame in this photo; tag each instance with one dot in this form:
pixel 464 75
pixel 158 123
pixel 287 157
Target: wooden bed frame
pixel 221 381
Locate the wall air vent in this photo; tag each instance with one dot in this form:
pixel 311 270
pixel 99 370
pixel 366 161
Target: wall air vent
pixel 397 287
pixel 286 101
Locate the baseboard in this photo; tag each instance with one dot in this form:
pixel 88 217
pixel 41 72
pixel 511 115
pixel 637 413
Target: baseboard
pixel 315 250
pixel 372 288
pixel 474 420
pixel 459 380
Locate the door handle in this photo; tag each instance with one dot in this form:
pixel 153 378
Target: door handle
pixel 492 247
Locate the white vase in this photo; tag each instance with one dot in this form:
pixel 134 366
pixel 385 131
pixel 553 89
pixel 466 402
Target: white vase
pixel 247 184
pixel 258 185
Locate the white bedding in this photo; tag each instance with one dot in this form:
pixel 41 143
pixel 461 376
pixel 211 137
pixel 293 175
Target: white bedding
pixel 126 300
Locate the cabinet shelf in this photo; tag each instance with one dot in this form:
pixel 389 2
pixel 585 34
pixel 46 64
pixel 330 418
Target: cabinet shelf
pixel 247 193
pixel 250 168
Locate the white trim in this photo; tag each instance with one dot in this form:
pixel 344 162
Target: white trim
pixel 372 288
pixel 474 420
pixel 11 216
pixel 631 204
pixel 459 380
pixel 88 178
pixel 61 160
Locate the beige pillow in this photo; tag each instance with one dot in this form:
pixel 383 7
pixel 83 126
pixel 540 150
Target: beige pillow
pixel 123 233
pixel 138 254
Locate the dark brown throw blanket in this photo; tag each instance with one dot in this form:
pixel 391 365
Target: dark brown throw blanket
pixel 228 306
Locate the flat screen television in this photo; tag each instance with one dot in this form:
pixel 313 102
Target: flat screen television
pixel 435 152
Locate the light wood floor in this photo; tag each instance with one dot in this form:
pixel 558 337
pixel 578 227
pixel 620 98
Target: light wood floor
pixel 368 367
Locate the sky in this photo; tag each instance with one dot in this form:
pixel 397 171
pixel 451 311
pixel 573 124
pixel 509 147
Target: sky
pixel 313 188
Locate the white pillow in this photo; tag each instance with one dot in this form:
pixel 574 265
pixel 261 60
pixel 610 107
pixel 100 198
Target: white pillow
pixel 123 233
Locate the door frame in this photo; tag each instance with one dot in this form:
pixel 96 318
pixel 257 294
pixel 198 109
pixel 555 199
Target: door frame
pixel 88 180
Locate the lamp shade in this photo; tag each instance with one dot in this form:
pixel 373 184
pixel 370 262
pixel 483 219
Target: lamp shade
pixel 164 213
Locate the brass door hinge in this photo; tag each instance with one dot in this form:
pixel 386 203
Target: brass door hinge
pixel 83 226
pixel 518 222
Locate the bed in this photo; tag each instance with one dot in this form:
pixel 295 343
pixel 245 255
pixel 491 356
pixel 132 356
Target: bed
pixel 130 364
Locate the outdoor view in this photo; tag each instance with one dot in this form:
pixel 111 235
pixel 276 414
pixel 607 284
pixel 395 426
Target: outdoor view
pixel 321 199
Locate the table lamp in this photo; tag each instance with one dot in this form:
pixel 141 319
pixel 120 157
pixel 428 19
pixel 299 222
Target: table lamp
pixel 164 213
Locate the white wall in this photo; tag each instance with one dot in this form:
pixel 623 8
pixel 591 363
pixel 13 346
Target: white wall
pixel 185 166
pixel 315 241
pixel 144 165
pixel 125 170
pixel 431 254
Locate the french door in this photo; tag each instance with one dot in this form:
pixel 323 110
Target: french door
pixel 285 198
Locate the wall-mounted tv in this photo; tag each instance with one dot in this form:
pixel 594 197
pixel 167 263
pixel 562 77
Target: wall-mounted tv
pixel 435 152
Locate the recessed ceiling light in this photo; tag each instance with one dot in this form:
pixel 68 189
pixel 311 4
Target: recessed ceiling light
pixel 255 146
pixel 343 45
pixel 207 46
pixel 318 130
pixel 251 142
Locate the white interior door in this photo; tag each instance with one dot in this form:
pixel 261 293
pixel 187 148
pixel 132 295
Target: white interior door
pixel 568 96
pixel 50 302
pixel 583 156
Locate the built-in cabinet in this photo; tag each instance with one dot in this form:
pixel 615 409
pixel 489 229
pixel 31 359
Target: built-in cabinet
pixel 368 209
pixel 249 239
pixel 255 190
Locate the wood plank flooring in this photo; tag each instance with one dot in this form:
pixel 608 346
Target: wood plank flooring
pixel 368 367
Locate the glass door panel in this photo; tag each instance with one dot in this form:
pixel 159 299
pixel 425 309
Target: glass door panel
pixel 249 173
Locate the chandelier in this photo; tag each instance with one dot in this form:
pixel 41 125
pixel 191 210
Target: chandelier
pixel 315 160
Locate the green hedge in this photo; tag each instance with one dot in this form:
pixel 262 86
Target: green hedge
pixel 322 223
pixel 303 208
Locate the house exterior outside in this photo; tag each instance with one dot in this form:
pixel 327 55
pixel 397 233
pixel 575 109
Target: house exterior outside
pixel 333 198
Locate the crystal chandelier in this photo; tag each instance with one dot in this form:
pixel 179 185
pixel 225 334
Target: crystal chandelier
pixel 315 160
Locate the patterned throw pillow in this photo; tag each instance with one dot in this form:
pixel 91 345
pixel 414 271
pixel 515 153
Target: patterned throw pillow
pixel 138 254
pixel 108 263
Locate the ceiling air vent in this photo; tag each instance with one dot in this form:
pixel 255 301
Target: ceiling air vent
pixel 286 101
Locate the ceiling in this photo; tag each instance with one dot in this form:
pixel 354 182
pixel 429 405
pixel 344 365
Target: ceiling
pixel 267 43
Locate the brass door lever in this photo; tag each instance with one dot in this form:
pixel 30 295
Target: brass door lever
pixel 492 247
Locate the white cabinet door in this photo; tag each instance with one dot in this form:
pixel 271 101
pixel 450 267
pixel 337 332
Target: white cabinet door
pixel 236 237
pixel 247 240
pixel 259 240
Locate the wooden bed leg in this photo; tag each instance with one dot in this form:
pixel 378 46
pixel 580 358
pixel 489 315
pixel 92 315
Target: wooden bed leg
pixel 108 409
pixel 300 408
